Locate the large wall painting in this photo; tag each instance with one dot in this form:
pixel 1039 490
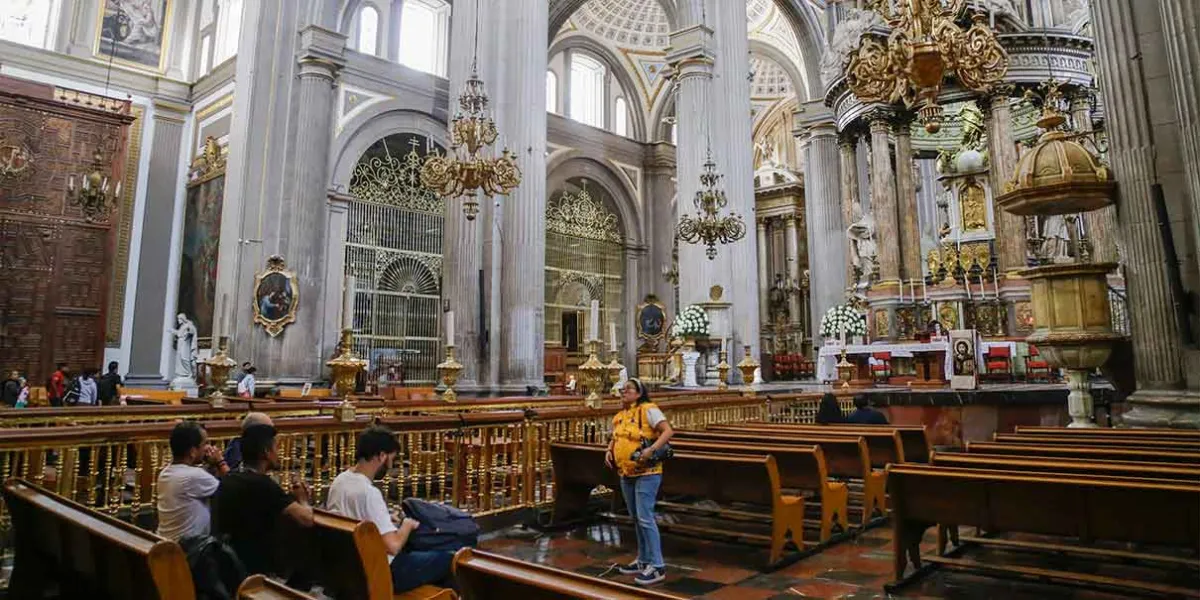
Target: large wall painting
pixel 201 238
pixel 135 31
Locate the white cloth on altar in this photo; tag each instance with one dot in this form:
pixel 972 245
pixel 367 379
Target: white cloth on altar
pixel 827 357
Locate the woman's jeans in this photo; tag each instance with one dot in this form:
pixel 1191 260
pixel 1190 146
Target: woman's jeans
pixel 640 495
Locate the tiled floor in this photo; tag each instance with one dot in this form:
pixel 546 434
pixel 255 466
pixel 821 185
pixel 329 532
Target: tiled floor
pixel 855 568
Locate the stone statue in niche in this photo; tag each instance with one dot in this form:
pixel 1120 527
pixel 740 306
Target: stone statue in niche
pixel 777 301
pixel 186 346
pixel 1056 240
pixel 862 243
pixel 846 38
pixel 971 154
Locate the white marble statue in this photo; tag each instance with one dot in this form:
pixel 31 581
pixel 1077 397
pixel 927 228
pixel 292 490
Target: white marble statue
pixel 862 242
pixel 186 347
pixel 619 385
pixel 846 38
pixel 1056 240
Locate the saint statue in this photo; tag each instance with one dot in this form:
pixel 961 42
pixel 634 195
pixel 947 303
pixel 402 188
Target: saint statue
pixel 186 347
pixel 1056 240
pixel 777 301
pixel 862 242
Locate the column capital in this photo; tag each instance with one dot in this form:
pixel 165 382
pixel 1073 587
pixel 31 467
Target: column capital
pixel 811 116
pixel 761 223
pixel 691 52
pixel 881 119
pixel 848 138
pixel 322 52
pixel 659 156
pixel 999 94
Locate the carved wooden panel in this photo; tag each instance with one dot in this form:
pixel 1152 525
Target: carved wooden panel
pixel 57 267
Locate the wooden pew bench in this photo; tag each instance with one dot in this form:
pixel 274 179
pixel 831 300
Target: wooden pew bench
pixel 60 543
pixel 1088 508
pixel 913 438
pixel 1155 433
pixel 1180 472
pixel 259 587
pixel 721 478
pixel 1106 441
pixel 1086 452
pixel 486 576
pixel 846 458
pixel 885 447
pixel 353 562
pixel 800 468
pixel 149 396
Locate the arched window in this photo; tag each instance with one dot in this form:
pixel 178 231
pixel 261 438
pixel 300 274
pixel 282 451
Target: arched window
pixel 620 118
pixel 229 28
pixel 551 92
pixel 368 30
pixel 424 32
pixel 30 22
pixel 587 90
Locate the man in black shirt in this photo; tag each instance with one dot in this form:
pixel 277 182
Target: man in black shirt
pixel 249 503
pixel 865 415
pixel 11 389
pixel 110 385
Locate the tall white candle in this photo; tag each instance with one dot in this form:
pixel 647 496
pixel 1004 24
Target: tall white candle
pixel 594 321
pixel 924 291
pixel 996 282
pixel 450 327
pixel 348 303
pixel 902 291
pixel 612 335
pixel 912 290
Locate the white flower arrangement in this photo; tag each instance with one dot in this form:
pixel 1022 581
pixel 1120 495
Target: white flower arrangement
pixel 843 318
pixel 692 322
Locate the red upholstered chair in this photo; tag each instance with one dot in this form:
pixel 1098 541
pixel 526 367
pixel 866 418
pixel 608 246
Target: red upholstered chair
pixel 783 367
pixel 1036 367
pixel 998 361
pixel 808 369
pixel 881 369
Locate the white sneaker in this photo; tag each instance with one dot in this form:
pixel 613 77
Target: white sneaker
pixel 651 575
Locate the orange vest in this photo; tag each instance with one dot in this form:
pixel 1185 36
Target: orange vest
pixel 630 427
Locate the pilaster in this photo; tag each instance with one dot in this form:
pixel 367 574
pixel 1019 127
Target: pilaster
pixel 823 200
pixel 906 196
pixel 658 173
pixel 1181 35
pixel 1009 228
pixel 883 200
pixel 848 164
pixel 792 245
pixel 764 279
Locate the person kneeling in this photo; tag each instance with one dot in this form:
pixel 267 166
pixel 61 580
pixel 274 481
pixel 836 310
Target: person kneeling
pixel 353 494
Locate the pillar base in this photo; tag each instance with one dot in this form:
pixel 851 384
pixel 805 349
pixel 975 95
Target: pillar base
pixel 150 382
pixel 1176 409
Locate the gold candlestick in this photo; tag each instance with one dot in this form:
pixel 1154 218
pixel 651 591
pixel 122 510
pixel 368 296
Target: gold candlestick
pixel 747 367
pixel 219 365
pixel 449 370
pixel 614 371
pixel 723 368
pixel 344 369
pixel 593 373
pixel 845 370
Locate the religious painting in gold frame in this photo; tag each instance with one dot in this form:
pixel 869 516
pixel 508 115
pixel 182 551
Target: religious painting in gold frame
pixel 276 296
pixel 135 32
pixel 651 321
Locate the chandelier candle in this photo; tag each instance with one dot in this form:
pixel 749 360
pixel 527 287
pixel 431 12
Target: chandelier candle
pixel 612 335
pixel 593 332
pixel 450 328
pixel 347 303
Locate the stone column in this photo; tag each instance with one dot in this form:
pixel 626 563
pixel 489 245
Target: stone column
pixel 906 195
pixel 883 201
pixel 658 173
pixel 1101 223
pixel 1132 154
pixel 826 231
pixel 1009 228
pixel 519 81
pixel 150 348
pixel 1181 35
pixel 792 244
pixel 764 278
pixel 848 163
pixel 297 354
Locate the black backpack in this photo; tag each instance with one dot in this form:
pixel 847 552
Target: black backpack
pixel 71 395
pixel 216 570
pixel 442 527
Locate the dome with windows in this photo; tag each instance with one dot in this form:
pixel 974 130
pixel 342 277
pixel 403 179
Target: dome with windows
pixel 626 23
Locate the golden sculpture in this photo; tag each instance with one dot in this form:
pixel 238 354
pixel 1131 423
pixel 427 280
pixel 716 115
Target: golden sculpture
pixel 972 202
pixel 345 367
pixel 925 43
pixel 219 365
pixel 448 370
pixel 747 367
pixel 593 372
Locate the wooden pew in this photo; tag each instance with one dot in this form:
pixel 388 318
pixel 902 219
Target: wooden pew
pixel 721 478
pixel 914 438
pixel 885 447
pixel 1181 472
pixel 258 587
pixel 1085 507
pixel 86 554
pixel 1089 452
pixel 1150 433
pixel 487 576
pixel 353 562
pixel 800 467
pixel 845 457
pixel 149 396
pixel 1115 442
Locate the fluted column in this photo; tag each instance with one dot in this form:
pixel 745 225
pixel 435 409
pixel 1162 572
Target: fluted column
pixel 848 154
pixel 826 231
pixel 883 201
pixel 1181 34
pixel 764 279
pixel 792 246
pixel 1132 150
pixel 1101 223
pixel 1009 228
pixel 906 198
pixel 659 176
pixel 520 27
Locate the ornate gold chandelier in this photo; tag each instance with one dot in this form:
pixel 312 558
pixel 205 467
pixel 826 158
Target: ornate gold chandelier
pixel 93 195
pixel 925 44
pixel 707 225
pixel 471 167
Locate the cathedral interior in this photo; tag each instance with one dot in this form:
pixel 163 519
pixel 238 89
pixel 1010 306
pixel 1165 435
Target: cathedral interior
pixel 476 221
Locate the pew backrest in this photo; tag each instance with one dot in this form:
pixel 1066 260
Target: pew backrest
pixel 1147 433
pixel 1115 442
pixel 487 576
pixel 962 460
pixel 800 467
pixel 353 558
pixel 59 540
pixel 259 587
pixel 884 447
pixel 914 438
pixel 844 456
pixel 1090 452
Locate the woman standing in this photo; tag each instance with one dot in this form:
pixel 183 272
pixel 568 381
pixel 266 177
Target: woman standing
pixel 640 430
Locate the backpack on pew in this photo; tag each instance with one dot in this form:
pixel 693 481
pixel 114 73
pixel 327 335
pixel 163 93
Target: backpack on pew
pixel 442 527
pixel 216 569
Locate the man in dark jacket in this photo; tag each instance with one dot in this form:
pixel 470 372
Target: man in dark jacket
pixel 233 452
pixel 11 389
pixel 863 413
pixel 110 385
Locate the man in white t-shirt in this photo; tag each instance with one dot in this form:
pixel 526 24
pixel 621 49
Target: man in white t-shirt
pixel 185 486
pixel 353 494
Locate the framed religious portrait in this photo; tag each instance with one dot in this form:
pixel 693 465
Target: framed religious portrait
pixel 276 296
pixel 135 32
pixel 963 355
pixel 651 320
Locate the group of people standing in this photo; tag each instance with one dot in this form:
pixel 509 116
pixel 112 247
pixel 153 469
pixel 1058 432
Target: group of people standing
pixel 64 388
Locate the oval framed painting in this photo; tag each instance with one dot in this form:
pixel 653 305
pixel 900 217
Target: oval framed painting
pixel 276 296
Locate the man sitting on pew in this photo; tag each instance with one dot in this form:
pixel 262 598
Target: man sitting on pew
pixel 863 413
pixel 185 485
pixel 249 504
pixel 233 452
pixel 353 494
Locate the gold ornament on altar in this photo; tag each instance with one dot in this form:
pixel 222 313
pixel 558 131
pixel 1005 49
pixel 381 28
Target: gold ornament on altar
pixel 93 195
pixel 15 160
pixel 345 367
pixel 594 373
pixel 470 167
pixel 707 226
pixel 613 368
pixel 925 44
pixel 449 370
pixel 219 365
pixel 747 366
pixel 723 368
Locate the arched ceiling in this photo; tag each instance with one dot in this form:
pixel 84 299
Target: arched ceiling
pixel 631 24
pixel 769 79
